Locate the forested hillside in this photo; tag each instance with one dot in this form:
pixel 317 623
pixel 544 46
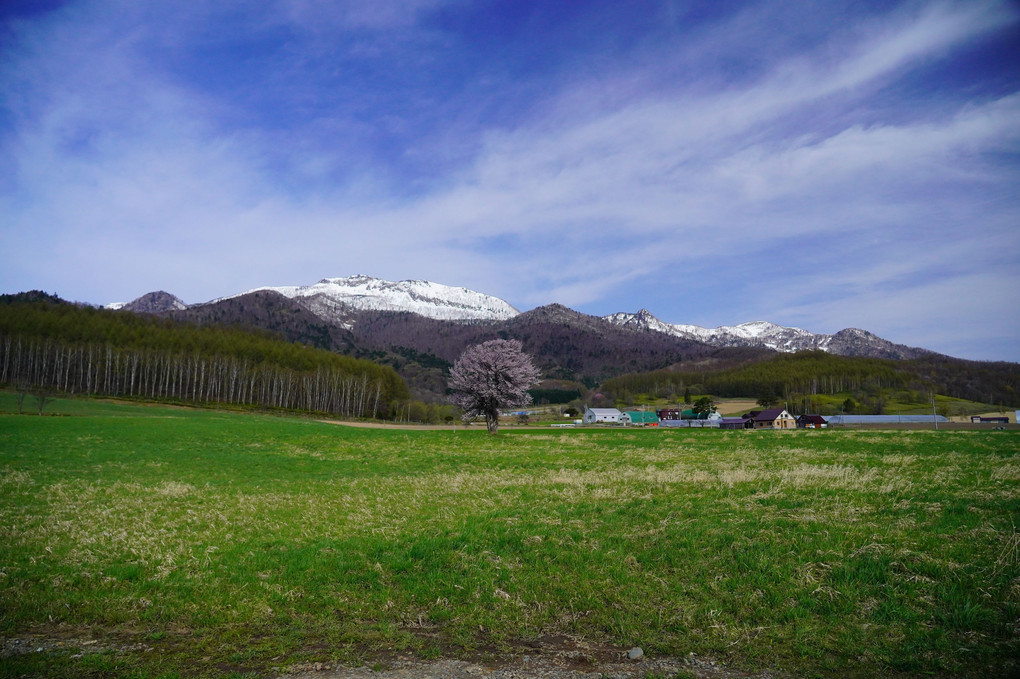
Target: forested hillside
pixel 270 311
pixel 565 344
pixel 995 382
pixel 795 378
pixel 46 343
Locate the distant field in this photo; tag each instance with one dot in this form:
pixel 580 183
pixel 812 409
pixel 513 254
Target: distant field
pixel 735 406
pixel 159 542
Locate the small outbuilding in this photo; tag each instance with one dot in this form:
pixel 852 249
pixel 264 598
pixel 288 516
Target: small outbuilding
pixel 811 422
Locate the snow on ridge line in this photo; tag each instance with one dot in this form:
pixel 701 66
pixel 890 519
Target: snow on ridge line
pixel 750 329
pixel 765 333
pixel 433 300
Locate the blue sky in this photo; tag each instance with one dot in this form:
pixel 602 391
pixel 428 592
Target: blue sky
pixel 822 165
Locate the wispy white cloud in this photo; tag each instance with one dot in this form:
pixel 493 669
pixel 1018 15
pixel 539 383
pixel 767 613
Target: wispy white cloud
pixel 379 15
pixel 926 31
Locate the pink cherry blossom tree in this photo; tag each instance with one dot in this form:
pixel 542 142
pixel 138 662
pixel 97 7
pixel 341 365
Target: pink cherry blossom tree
pixel 490 376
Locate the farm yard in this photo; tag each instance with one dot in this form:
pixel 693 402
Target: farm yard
pixel 150 541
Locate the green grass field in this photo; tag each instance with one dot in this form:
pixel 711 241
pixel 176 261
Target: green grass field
pixel 181 543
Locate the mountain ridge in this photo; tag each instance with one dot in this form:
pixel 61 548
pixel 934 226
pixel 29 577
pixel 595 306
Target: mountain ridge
pixel 846 342
pixel 342 301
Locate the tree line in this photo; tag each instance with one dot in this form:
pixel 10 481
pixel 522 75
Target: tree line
pixel 811 372
pixel 50 344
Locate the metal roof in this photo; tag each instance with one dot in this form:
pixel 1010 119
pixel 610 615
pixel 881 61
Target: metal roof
pixel 641 416
pixel 885 419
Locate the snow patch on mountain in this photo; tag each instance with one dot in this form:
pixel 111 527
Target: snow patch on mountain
pixel 332 298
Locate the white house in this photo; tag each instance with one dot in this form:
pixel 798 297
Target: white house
pixel 601 415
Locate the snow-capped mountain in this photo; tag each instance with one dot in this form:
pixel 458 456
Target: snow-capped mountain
pixel 334 298
pixel 848 342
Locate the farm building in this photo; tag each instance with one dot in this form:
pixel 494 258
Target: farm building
pixel 811 422
pixel 837 420
pixel 980 419
pixel 736 423
pixel 711 420
pixel 640 418
pixel 601 416
pixel 772 418
pixel 677 414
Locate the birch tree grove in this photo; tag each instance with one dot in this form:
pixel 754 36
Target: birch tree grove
pixel 46 343
pixel 104 370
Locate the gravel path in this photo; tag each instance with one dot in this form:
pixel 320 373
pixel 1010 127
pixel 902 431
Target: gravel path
pixel 532 667
pixel 549 658
pixel 529 667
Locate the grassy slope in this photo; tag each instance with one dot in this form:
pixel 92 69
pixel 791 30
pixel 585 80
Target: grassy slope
pixel 201 533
